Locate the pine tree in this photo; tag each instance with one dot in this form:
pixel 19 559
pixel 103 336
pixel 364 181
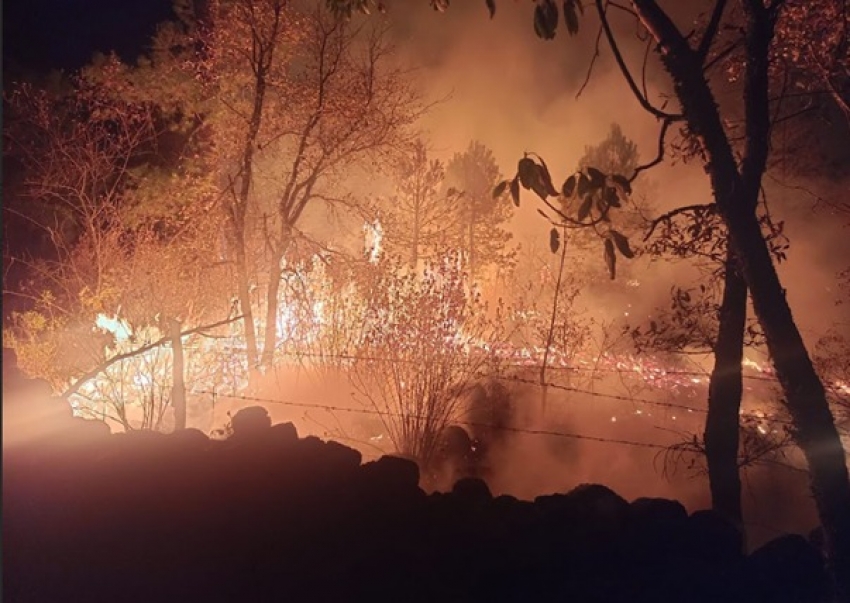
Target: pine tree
pixel 417 220
pixel 481 232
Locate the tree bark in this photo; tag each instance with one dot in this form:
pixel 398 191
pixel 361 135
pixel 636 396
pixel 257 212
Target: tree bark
pixel 178 384
pixel 251 351
pixel 471 244
pixel 272 307
pixel 724 399
pixel 814 425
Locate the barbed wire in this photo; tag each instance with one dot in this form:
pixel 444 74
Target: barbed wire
pixel 466 423
pixel 549 384
pixel 537 383
pixel 634 399
pixel 374 412
pixel 549 367
pixel 590 392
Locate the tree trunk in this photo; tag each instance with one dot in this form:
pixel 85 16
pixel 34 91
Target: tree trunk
pixel 724 399
pixel 272 307
pixel 815 430
pixel 471 245
pixel 414 259
pixel 814 425
pixel 251 351
pixel 241 202
pixel 178 384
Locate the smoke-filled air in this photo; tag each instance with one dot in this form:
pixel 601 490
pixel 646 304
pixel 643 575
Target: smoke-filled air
pixel 508 248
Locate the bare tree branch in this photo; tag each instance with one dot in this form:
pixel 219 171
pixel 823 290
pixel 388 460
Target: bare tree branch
pixel 665 125
pixel 710 207
pixel 592 63
pixel 711 30
pixel 145 348
pixel 612 42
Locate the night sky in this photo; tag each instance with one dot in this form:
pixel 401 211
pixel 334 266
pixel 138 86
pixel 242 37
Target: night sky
pixel 41 35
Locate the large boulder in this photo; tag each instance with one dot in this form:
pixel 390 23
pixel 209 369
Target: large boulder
pixel 787 569
pixel 250 421
pixel 390 474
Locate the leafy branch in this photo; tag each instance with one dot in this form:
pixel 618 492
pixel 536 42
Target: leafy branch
pixel 585 200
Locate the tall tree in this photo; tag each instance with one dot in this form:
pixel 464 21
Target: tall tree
pixel 292 100
pixel 349 106
pixel 736 180
pixel 736 185
pixel 616 154
pixel 246 47
pixel 418 218
pixel 480 232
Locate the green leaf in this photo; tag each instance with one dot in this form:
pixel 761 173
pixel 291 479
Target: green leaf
pixel 569 186
pixel 622 183
pixel 584 210
pixel 491 6
pixel 546 19
pixel 514 186
pixel 500 189
pixel 554 240
pixel 610 259
pixel 622 243
pixel 570 16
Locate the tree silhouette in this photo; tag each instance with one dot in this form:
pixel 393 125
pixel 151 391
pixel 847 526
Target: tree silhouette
pixel 419 219
pixel 735 163
pixel 479 231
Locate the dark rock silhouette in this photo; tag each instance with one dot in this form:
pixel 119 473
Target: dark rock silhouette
pixel 787 569
pixel 250 420
pixel 268 516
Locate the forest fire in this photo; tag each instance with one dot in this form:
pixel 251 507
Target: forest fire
pixel 135 392
pixel 292 237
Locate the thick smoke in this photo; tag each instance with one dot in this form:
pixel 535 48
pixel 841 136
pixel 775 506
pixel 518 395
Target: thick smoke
pixel 494 81
pixel 497 82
